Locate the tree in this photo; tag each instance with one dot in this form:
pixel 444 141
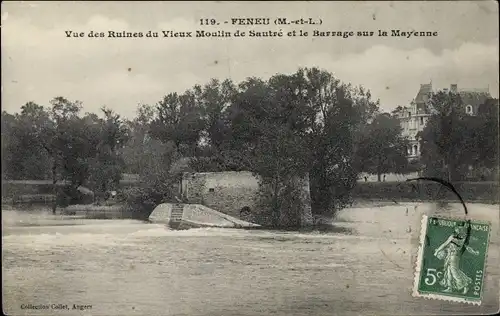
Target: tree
pixel 267 137
pixel 382 148
pixel 447 141
pixel 487 134
pixel 147 156
pixel 337 115
pixel 78 148
pixel 288 126
pixel 213 152
pixel 37 138
pixel 179 120
pixel 216 97
pixel 9 144
pixel 139 135
pixel 22 158
pixel 107 165
pixel 397 110
pixel 57 138
pixel 285 129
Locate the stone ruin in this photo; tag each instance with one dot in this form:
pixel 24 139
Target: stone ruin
pixel 236 193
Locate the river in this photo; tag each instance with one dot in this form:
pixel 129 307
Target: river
pixel 75 266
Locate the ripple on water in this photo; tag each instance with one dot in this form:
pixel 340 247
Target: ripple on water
pixel 120 265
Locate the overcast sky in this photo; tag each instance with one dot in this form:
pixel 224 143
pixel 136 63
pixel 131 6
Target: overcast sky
pixel 39 62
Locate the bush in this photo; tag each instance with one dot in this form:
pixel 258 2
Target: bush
pixel 281 208
pixel 141 201
pixel 426 191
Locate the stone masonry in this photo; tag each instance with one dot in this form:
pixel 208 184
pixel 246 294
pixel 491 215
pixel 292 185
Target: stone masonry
pixel 233 192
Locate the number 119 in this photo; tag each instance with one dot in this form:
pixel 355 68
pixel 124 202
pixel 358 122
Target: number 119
pixel 208 22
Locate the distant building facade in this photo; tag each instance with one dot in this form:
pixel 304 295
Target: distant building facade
pixel 413 118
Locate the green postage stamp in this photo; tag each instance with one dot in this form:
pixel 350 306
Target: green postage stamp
pixel 451 259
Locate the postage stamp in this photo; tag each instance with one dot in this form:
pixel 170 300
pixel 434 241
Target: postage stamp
pixel 451 259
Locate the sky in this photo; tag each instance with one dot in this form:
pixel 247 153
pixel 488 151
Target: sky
pixel 39 62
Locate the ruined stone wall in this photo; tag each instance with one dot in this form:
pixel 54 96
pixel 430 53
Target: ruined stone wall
pixel 226 192
pixel 230 192
pixel 193 186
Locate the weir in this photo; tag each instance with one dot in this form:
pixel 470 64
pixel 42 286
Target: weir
pixel 185 216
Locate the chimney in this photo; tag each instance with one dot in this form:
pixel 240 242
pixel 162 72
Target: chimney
pixel 454 88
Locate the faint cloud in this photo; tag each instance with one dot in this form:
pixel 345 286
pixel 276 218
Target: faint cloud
pixel 42 62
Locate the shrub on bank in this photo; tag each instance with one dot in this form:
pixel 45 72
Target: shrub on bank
pixel 141 201
pixel 426 191
pixel 27 187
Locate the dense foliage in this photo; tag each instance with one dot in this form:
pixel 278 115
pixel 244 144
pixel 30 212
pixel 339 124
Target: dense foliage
pixel 282 129
pixel 457 146
pixel 382 149
pixel 58 143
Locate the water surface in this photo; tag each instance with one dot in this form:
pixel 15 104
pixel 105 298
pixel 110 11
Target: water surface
pixel 126 267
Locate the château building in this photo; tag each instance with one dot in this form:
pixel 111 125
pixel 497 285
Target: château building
pixel 414 117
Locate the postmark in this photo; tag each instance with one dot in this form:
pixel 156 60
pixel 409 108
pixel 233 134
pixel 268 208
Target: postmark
pixel 451 259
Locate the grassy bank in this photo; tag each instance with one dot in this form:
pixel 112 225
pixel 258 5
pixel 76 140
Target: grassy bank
pixel 484 192
pixel 13 188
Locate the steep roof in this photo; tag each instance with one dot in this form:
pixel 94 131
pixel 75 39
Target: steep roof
pixel 423 93
pixel 474 98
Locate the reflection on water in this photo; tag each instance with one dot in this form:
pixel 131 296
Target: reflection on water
pixel 126 267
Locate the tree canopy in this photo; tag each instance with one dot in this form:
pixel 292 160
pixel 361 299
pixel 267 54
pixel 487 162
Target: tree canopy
pixel 453 142
pixel 308 123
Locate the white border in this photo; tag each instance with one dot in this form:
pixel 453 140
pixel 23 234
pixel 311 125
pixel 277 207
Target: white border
pixel 416 281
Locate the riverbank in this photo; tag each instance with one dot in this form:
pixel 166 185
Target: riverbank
pixel 482 192
pixel 487 191
pixel 385 202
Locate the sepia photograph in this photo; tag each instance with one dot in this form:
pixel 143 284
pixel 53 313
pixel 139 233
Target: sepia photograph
pixel 227 158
